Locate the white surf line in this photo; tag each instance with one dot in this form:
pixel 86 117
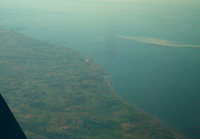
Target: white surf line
pixel 155 41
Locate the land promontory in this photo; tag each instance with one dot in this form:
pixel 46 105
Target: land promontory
pixel 58 93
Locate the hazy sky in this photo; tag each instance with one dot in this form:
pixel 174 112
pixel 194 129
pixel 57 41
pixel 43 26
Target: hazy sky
pixel 144 18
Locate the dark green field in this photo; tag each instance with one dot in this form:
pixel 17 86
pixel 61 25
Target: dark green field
pixel 55 92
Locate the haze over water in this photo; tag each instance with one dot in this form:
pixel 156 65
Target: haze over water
pixel 163 81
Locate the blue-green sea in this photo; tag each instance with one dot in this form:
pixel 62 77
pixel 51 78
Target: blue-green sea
pixel 159 79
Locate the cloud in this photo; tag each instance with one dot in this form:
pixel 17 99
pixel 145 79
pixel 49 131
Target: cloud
pixel 156 41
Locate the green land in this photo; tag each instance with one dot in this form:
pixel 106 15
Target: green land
pixel 57 93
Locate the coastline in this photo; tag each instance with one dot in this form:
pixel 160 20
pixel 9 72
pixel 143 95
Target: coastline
pixel 59 92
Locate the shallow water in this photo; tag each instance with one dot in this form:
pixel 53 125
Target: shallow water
pixel 163 81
